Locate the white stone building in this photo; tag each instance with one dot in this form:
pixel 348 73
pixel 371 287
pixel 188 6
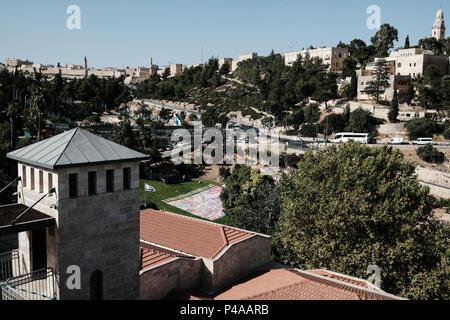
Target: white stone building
pixel 334 57
pixel 413 62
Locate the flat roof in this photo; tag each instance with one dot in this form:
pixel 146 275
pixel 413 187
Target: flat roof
pixel 32 220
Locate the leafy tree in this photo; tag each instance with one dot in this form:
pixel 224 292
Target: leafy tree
pixel 349 66
pixel 309 130
pixel 362 121
pixel 224 70
pixel 326 88
pixel 251 200
pixel 380 80
pixel 290 160
pixel 421 128
pixel 352 206
pixel 166 74
pixel 333 123
pixel 384 40
pixel 393 112
pixel 430 154
pixel 311 113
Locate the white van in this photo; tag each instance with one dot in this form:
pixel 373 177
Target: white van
pixel 423 141
pixel 349 136
pixel 396 141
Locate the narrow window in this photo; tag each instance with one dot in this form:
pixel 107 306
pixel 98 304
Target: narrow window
pixel 73 185
pixel 92 177
pixel 50 181
pixel 41 181
pixel 24 176
pixel 32 179
pixel 110 180
pixel 126 178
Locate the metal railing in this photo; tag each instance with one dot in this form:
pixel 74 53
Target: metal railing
pixel 38 285
pixel 9 265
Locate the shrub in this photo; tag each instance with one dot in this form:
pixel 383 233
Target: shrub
pixel 430 154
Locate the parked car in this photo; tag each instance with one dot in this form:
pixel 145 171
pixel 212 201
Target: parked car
pixel 396 141
pixel 423 141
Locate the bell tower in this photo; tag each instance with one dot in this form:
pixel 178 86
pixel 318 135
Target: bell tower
pixel 94 201
pixel 439 26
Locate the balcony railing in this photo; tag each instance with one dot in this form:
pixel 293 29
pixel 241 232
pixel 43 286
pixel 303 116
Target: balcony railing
pixel 9 265
pixel 38 285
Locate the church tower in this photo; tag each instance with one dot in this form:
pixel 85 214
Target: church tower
pixel 439 26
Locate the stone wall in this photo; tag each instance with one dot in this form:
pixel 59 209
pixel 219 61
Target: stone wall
pixel 236 262
pixel 100 232
pixel 177 274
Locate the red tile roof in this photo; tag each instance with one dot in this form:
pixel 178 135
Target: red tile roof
pixel 188 235
pixel 151 255
pixel 339 277
pixel 286 284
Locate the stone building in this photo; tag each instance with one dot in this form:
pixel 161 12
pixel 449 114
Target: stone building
pixel 439 26
pixel 413 62
pixel 181 253
pixel 334 57
pixel 89 188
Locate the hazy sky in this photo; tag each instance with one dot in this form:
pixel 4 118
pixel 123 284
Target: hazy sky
pixel 127 33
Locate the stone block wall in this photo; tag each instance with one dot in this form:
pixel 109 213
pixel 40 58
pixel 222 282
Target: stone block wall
pixel 177 274
pixel 237 261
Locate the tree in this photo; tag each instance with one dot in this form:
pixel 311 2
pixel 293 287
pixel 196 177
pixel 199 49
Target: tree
pixel 393 112
pixel 326 88
pixel 12 112
pixel 39 101
pixel 124 135
pixel 407 45
pixel 251 201
pixel 224 70
pixel 380 80
pixel 384 39
pixel 411 93
pixel 421 128
pixel 349 67
pixel 352 90
pixel 352 206
pixel 165 114
pixel 166 74
pixel 362 121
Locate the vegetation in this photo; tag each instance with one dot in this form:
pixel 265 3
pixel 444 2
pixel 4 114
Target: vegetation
pixel 349 207
pixel 421 128
pixel 380 81
pixel 393 112
pixel 251 201
pixel 430 154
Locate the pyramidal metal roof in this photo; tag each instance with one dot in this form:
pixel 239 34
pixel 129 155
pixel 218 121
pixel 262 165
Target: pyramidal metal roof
pixel 72 148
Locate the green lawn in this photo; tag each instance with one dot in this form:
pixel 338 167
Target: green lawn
pixel 167 191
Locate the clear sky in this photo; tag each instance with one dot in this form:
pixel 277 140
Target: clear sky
pixel 127 33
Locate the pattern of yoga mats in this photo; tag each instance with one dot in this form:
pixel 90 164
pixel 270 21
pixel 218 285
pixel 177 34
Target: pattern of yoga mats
pixel 204 202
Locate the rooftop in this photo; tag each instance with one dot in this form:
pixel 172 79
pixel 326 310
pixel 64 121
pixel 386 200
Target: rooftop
pixel 292 284
pixel 74 148
pixel 188 235
pixel 152 255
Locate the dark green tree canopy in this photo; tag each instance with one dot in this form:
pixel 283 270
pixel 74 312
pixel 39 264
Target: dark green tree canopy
pixel 352 206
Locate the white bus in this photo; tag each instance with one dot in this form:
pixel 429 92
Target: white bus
pixel 349 136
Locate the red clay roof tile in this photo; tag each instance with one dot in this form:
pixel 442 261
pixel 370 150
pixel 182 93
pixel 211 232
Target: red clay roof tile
pixel 189 235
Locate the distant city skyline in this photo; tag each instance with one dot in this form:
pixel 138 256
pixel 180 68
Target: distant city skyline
pixel 176 31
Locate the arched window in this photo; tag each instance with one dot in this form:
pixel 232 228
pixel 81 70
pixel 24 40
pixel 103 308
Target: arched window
pixel 97 285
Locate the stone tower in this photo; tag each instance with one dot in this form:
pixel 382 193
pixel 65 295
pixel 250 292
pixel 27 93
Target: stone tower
pixel 439 26
pixel 95 208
